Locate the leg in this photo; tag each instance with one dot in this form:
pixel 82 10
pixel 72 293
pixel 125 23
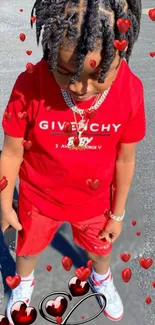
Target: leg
pixel 26 264
pixel 101 264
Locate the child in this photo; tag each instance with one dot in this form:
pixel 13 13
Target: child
pixel 71 128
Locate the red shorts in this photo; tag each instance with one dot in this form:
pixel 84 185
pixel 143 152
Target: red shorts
pixel 39 230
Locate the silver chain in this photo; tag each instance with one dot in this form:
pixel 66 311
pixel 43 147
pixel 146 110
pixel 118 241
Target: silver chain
pixel 79 111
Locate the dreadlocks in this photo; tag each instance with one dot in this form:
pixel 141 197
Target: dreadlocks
pixel 86 25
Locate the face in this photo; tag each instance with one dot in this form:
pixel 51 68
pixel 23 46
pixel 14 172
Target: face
pixel 87 85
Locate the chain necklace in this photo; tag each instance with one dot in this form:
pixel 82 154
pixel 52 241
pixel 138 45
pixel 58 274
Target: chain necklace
pixel 79 111
pixel 78 141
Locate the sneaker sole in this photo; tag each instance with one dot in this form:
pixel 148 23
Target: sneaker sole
pixel 100 304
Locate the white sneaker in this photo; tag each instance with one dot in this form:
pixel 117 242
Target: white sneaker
pixel 114 308
pixel 21 293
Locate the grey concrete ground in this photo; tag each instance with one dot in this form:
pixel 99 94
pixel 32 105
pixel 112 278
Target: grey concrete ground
pixel 141 204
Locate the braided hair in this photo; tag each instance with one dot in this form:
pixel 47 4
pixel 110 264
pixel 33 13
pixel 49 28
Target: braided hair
pixel 85 25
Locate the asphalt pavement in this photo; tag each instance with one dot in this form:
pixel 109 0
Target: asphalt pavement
pixel 140 205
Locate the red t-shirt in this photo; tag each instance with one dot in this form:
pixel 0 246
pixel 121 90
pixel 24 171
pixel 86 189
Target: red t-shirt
pixel 53 177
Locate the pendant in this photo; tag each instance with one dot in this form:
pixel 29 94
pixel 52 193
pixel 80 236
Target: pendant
pixel 82 124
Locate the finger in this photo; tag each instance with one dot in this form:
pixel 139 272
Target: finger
pixel 16 224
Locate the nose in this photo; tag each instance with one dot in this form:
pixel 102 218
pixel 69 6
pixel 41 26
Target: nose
pixel 79 87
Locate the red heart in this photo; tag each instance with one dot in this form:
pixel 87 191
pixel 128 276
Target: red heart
pixel 21 10
pixel 67 127
pixel 21 314
pixel 89 264
pixel 126 275
pixel 152 54
pixel 22 115
pixel 33 19
pixel 48 267
pixel 125 257
pixel 93 185
pixel 77 287
pixel 138 233
pixel 76 141
pixel 3 183
pixel 146 262
pixel 82 317
pixel 67 263
pixel 84 274
pixel 120 45
pixel 57 307
pixel 153 284
pixel 134 223
pixel 152 14
pixel 59 320
pixel 29 68
pixel 13 281
pixel 27 144
pixel 28 52
pixel 4 320
pixel 22 37
pixel 123 24
pixel 48 108
pixel 8 115
pixel 92 64
pixel 148 300
pixel 90 114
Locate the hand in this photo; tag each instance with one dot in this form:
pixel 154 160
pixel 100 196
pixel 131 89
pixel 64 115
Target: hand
pixel 112 230
pixel 9 219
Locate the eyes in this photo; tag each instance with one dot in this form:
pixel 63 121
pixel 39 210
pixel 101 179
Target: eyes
pixel 70 74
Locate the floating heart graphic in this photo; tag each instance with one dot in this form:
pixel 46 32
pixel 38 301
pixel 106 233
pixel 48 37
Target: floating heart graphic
pixel 153 284
pixel 120 45
pixel 92 64
pixel 48 108
pixel 4 320
pixel 78 288
pixel 125 257
pixel 138 233
pixel 146 262
pixel 3 183
pixel 67 127
pixel 93 185
pixel 21 314
pixel 28 52
pixel 89 264
pixel 48 267
pixel 59 320
pixel 90 114
pixel 76 141
pixel 83 274
pixel 134 222
pixel 123 24
pixel 57 307
pixel 152 14
pixel 8 115
pixel 33 19
pixel 126 275
pixel 27 144
pixel 29 67
pixel 67 263
pixel 22 37
pixel 22 115
pixel 13 281
pixel 152 54
pixel 148 300
pixel 82 317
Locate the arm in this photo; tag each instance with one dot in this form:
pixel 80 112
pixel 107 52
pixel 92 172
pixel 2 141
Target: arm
pixel 124 172
pixel 10 161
